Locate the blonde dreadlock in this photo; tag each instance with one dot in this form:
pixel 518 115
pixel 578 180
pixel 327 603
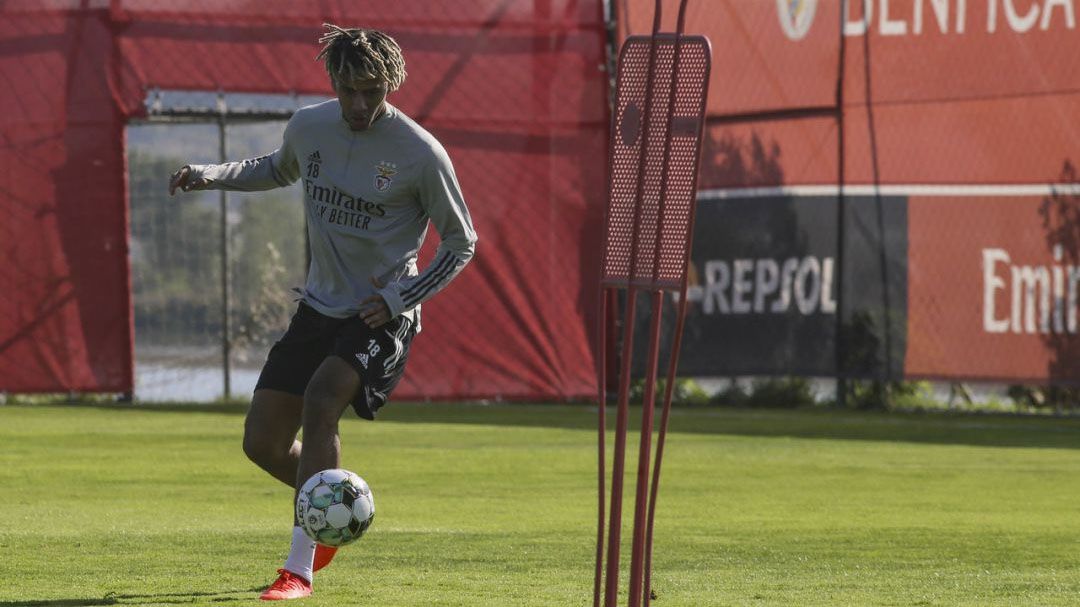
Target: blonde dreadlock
pixel 351 54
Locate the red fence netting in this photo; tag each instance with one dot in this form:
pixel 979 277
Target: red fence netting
pixel 515 91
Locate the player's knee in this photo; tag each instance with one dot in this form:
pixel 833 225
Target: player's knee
pixel 321 409
pixel 255 448
pixel 258 448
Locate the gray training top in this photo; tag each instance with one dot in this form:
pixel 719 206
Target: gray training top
pixel 368 197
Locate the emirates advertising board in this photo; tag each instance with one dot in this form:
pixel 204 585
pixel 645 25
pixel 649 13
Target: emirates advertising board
pixel 957 136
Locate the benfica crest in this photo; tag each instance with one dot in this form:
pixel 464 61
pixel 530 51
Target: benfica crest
pixel 383 173
pixel 796 16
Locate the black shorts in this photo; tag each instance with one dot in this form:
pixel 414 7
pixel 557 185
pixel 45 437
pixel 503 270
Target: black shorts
pixel 377 355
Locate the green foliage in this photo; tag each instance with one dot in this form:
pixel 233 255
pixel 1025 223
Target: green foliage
pixel 177 253
pixel 768 392
pixel 912 395
pixel 788 392
pixel 732 395
pixel 1044 398
pixel 496 505
pixel 262 315
pixel 885 395
pixel 781 392
pixel 58 398
pixel 686 392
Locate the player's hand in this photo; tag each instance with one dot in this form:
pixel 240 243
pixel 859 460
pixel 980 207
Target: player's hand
pixel 373 310
pixel 182 179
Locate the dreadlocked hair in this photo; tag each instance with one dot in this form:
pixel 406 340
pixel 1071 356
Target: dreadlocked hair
pixel 351 54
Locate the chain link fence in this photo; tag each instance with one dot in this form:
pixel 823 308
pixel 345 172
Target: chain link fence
pixel 210 272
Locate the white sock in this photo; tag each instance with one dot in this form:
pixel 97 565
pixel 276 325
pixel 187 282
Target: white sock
pixel 301 554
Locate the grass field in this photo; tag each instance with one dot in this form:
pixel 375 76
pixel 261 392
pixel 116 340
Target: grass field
pixel 495 505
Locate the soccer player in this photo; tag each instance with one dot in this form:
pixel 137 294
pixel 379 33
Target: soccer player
pixel 372 179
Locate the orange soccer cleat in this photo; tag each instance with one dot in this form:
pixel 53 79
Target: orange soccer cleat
pixel 287 586
pixel 323 556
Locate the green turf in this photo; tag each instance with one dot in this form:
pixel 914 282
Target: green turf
pixel 495 505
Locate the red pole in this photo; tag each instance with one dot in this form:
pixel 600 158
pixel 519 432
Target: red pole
pixel 618 466
pixel 673 364
pixel 642 591
pixel 611 584
pixel 605 295
pixel 647 409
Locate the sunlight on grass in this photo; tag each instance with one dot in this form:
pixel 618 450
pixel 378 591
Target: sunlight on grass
pixel 495 505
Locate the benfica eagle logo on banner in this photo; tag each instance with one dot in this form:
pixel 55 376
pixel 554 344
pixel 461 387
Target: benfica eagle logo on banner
pixel 796 16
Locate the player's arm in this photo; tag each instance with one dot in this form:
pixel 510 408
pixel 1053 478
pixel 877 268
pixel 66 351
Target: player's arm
pixel 441 197
pixel 275 170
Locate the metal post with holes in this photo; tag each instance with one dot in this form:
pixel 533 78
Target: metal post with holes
pixel 659 113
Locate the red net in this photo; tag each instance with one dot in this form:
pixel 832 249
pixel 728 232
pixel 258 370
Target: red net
pixel 515 91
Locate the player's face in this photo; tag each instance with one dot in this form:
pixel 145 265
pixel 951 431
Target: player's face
pixel 362 101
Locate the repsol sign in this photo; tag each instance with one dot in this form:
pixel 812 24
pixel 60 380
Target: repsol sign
pixel 766 286
pixel 773 290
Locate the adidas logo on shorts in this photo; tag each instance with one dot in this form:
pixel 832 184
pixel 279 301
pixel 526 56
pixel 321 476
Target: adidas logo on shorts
pixel 363 358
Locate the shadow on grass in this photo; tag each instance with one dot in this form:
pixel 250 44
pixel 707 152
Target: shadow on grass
pixel 166 598
pixel 59 603
pixel 975 429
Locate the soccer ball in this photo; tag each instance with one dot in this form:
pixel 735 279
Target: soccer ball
pixel 335 507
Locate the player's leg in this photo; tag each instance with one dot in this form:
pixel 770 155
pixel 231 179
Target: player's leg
pixel 270 433
pixel 270 441
pixel 329 392
pixel 378 359
pixel 272 423
pixel 277 406
pixel 364 368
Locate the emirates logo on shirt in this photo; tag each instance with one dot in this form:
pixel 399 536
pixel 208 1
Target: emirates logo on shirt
pixel 383 173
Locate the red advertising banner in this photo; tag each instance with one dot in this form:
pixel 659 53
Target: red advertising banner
pixel 1003 302
pixel 933 91
pixel 969 110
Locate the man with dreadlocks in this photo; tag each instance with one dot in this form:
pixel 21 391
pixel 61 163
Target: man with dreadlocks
pixel 372 180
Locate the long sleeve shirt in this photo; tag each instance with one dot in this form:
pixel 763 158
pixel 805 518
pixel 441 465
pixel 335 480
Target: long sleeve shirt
pixel 368 196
